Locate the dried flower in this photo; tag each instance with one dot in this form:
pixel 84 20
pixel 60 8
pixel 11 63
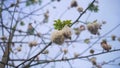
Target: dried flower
pixel 67 32
pixel 57 37
pixel 93 27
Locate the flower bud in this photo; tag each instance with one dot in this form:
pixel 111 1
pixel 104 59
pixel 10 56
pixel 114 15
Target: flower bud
pixel 76 55
pixel 32 43
pixel 18 49
pixel 74 3
pixel 79 9
pixel 65 51
pixel 93 60
pixel 113 37
pixel 92 51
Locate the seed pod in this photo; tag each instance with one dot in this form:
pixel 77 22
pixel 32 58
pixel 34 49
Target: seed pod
pixel 87 41
pixel 65 51
pixel 74 3
pixel 18 49
pixel 33 43
pixel 113 37
pixel 38 34
pixel 3 38
pixel 105 46
pixel 91 29
pixel 92 51
pixel 19 31
pixel 118 39
pixel 37 58
pixel 79 9
pixel 12 5
pixel 109 47
pixel 93 60
pixel 103 22
pixel 30 44
pixel 82 27
pixel 46 16
pixel 45 52
pixel 104 41
pixel 76 55
pixel 77 31
pixel 30 30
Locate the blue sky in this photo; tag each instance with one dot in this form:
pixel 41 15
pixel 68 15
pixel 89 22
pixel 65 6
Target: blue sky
pixel 108 11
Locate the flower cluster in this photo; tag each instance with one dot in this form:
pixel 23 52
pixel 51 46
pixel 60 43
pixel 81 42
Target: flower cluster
pixel 93 27
pixel 58 36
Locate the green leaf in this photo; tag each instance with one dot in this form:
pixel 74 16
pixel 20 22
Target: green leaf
pixel 60 24
pixel 93 8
